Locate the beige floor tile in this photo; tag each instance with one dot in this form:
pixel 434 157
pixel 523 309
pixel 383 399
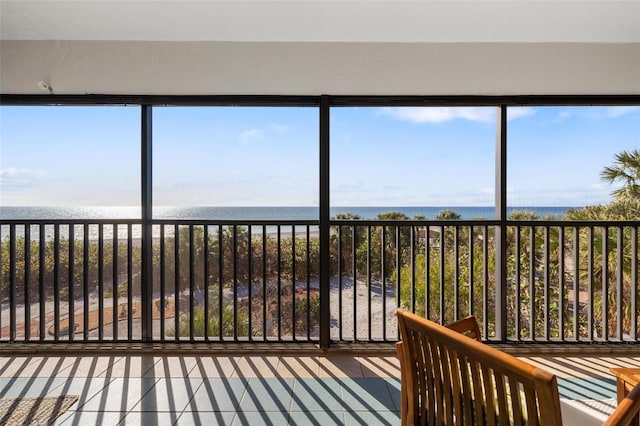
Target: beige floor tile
pixel 213 366
pixel 171 366
pixel 130 367
pixel 619 362
pixel 19 366
pixel 551 365
pixel 304 367
pixel 631 362
pixel 380 366
pixel 571 367
pixel 256 366
pixel 50 366
pixel 599 366
pixel 88 366
pixel 585 367
pixel 339 366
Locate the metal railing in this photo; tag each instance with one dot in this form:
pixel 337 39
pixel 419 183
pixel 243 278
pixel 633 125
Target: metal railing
pixel 260 281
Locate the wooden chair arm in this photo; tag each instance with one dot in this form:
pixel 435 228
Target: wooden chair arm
pixel 467 326
pixel 627 410
pixel 403 383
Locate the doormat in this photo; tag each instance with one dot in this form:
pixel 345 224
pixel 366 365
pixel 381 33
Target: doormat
pixel 38 411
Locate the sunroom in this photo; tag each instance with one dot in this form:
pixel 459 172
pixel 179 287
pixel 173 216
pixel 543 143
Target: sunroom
pixel 233 197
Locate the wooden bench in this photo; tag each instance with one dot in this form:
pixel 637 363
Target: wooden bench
pixel 448 378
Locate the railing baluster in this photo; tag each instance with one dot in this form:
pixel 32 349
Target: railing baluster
pixel 561 283
pixel 383 290
pixel 41 266
pixel 27 282
pixel 235 282
pixel 413 268
pixel 605 283
pixel 590 321
pixel 354 270
pixel 249 282
pixel 619 283
pixel 72 262
pixel 517 284
pixel 2 280
pixel 101 282
pixel 456 273
pixel 176 283
pixel 205 257
pixel 191 283
pixel 220 283
pixel 547 284
pixel 443 319
pixel 264 283
pixel 576 283
pixel 85 284
pixel 634 283
pixel 485 279
pixel 12 283
pixel 532 283
pixel 308 284
pixel 163 282
pixel 293 282
pixel 340 289
pixel 427 272
pixel 130 281
pixel 279 269
pixel 398 273
pixel 56 282
pixel 369 282
pixel 471 271
pixel 114 280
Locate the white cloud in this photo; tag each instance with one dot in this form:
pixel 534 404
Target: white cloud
pixel 596 113
pixel 249 135
pixel 514 113
pixel 12 178
pixel 444 114
pixel 563 115
pixel 619 111
pixel 440 114
pixel 280 128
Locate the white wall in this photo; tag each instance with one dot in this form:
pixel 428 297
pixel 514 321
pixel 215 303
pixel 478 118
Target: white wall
pixel 292 68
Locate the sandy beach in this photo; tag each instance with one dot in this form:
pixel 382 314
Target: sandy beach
pixel 351 322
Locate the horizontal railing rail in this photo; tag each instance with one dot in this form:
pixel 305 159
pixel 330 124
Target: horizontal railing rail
pixel 81 281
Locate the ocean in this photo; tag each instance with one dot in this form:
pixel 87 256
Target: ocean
pixel 254 213
pixel 223 213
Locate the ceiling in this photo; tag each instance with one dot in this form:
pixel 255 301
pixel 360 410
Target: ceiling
pixel 425 21
pixel 312 47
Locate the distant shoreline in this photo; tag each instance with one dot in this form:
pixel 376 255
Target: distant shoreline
pixel 259 213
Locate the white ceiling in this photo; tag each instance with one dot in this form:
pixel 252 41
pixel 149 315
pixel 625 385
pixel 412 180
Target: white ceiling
pixel 425 21
pixel 311 47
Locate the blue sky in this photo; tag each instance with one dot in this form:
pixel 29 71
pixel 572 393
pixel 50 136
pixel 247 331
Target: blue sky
pixel 90 156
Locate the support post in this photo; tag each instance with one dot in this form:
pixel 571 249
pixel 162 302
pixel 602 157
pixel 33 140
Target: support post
pixel 147 229
pixel 501 232
pixel 325 313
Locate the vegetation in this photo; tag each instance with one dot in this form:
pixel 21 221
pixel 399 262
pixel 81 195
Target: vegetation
pixel 625 170
pixel 442 271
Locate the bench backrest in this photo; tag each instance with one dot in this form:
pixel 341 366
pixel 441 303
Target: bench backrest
pixel 450 379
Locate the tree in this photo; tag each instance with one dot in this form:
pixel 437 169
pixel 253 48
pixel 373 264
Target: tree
pixel 347 242
pixel 625 170
pixel 448 215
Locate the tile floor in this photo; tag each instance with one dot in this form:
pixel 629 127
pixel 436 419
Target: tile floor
pixel 194 390
pixel 258 390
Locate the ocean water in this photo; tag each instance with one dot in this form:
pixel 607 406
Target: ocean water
pixel 254 213
pixel 218 213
